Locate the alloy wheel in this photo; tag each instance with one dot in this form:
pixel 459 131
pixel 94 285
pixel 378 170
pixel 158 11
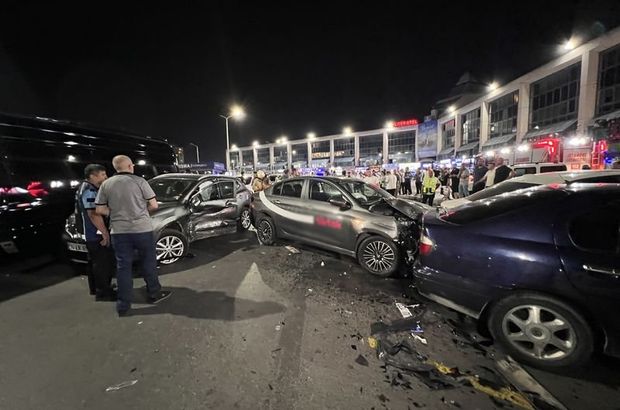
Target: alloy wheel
pixel 246 220
pixel 169 249
pixel 265 231
pixel 539 332
pixel 379 256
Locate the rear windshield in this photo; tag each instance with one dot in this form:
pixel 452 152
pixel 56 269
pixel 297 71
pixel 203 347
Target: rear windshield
pixel 501 188
pixel 552 168
pixel 502 204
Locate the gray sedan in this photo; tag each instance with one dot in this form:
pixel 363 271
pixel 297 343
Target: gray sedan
pixel 347 216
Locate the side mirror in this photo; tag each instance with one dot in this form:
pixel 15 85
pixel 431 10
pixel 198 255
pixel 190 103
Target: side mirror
pixel 340 202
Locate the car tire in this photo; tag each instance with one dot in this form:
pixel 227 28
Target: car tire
pixel 541 330
pixel 266 231
pixel 245 220
pixel 379 256
pixel 170 246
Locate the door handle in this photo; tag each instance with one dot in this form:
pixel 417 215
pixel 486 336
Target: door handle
pixel 599 269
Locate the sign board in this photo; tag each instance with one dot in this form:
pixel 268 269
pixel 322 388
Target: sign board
pixel 574 158
pixel 405 123
pixel 426 140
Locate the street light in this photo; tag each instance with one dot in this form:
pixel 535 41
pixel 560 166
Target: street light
pixel 236 112
pixel 233 147
pixel 347 130
pixel 311 136
pixel 493 86
pixel 389 125
pixel 197 152
pixel 570 44
pixel 255 144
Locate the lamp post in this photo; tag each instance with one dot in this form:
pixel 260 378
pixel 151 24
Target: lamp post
pixel 197 152
pixel 237 113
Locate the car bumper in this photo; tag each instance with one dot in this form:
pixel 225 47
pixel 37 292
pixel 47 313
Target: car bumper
pixel 75 249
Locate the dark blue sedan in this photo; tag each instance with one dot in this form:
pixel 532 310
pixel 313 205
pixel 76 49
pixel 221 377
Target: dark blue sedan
pixel 540 267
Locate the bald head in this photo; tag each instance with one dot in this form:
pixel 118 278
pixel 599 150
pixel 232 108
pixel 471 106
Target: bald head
pixel 122 163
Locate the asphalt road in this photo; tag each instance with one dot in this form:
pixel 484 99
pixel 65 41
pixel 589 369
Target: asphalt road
pixel 246 327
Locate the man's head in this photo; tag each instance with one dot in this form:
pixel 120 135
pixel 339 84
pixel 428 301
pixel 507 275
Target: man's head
pixel 499 161
pixel 261 174
pixel 491 165
pixel 430 172
pixel 95 174
pixel 122 163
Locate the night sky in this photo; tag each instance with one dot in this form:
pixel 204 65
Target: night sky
pixel 304 66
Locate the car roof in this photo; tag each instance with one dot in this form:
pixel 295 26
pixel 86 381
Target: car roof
pixel 195 177
pixel 561 177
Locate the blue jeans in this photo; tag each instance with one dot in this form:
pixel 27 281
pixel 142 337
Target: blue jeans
pixel 125 244
pixel 463 189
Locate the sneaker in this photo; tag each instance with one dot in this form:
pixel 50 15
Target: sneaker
pixel 164 294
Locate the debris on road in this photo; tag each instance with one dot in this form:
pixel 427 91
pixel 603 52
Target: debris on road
pixel 361 360
pixel 420 339
pixel 322 263
pixel 292 249
pixel 122 385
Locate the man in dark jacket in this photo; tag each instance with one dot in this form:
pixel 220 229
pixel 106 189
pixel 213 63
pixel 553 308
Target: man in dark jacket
pixel 479 172
pixel 502 171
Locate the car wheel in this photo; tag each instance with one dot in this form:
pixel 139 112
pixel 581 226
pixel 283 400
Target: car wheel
pixel 245 220
pixel 378 256
pixel 170 247
pixel 266 231
pixel 541 331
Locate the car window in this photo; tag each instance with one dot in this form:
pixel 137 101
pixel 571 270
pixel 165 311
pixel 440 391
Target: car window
pixel 597 229
pixel 208 192
pixel 502 187
pixel 292 188
pixel 277 189
pixel 552 168
pixel 227 189
pixel 501 204
pixel 170 189
pixel 323 191
pixel 365 195
pixel 239 186
pixel 524 170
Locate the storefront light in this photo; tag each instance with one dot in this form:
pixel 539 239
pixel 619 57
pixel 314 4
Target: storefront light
pixel 490 153
pixel 505 151
pixel 523 148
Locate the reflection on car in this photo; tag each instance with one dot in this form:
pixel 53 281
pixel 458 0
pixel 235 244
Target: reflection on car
pixel 191 207
pixel 539 266
pixel 342 215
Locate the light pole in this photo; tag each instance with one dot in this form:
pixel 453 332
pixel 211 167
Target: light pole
pixel 237 113
pixel 197 152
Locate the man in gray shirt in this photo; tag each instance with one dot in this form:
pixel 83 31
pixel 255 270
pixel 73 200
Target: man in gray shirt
pixel 127 199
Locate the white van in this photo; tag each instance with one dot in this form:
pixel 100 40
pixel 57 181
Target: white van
pixel 538 168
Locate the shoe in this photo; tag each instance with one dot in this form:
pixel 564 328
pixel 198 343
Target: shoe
pixel 110 296
pixel 123 313
pixel 164 294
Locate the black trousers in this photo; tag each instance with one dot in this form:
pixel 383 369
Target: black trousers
pixel 428 199
pixel 103 268
pixel 418 187
pixel 391 191
pixel 407 187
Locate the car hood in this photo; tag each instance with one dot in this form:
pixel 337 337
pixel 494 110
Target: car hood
pixel 453 203
pixel 409 208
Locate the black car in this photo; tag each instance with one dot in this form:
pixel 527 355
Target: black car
pixel 43 162
pixel 539 266
pixel 191 207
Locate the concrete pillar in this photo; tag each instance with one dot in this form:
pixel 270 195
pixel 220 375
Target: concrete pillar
pixel 386 148
pixel 484 123
pixel 356 150
pixel 458 131
pixel 309 154
pixel 271 158
pixel 240 164
pixel 587 90
pixel 255 155
pixel 331 153
pixel 289 155
pixel 523 111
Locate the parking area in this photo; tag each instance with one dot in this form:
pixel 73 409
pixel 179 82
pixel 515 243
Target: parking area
pixel 250 326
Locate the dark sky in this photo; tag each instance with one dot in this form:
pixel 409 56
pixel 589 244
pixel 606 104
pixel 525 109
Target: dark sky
pixel 170 71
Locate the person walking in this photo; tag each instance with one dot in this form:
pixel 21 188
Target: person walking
pixel 463 181
pixel 127 199
pixel 391 183
pixel 430 183
pixel 95 231
pixel 502 171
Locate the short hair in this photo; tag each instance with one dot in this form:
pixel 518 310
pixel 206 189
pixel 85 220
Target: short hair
pixel 93 169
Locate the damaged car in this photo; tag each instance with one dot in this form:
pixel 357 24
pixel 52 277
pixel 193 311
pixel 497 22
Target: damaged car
pixel 538 267
pixel 343 215
pixel 191 207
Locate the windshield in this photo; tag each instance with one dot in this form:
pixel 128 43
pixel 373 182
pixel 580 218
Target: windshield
pixel 501 188
pixel 170 189
pixel 364 194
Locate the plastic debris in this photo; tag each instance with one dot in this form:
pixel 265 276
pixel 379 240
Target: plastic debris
pixel 322 263
pixel 122 385
pixel 140 322
pixel 420 339
pixel 361 360
pixel 404 311
pixel 418 328
pixel 292 249
pixel 278 327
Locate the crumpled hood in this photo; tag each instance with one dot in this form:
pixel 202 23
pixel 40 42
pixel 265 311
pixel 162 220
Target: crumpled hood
pixel 409 208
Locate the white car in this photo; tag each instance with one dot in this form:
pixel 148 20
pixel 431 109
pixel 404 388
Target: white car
pixel 529 180
pixel 538 168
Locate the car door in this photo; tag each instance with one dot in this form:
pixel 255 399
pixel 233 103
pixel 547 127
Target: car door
pixel 588 238
pixel 332 225
pixel 211 213
pixel 286 204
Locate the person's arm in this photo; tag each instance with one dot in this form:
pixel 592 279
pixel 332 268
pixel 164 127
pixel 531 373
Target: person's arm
pixel 152 204
pixel 149 196
pixel 97 220
pixel 101 201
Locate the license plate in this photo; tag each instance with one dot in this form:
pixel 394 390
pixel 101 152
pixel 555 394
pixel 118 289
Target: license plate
pixel 76 247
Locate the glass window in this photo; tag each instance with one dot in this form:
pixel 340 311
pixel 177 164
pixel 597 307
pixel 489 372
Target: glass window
pixel 402 146
pixel 503 115
pixel 550 104
pixel 364 194
pixel 280 157
pixel 552 168
pixel 448 133
pixel 502 204
pixel 299 155
pixel 609 81
pixel 292 188
pixel 471 126
pixel 323 191
pixel 519 172
pixel 277 189
pixel 170 189
pixel 262 156
pixel 227 189
pixel 208 192
pixel 371 150
pixel 247 158
pixel 597 229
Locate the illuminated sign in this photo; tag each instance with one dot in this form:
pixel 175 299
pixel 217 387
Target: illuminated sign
pixel 316 155
pixel 405 123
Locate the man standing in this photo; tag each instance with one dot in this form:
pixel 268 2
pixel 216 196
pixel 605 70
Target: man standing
pixel 407 182
pixel 463 181
pixel 479 172
pixel 502 171
pixel 429 186
pixel 489 177
pixel 127 199
pixel 391 183
pixel 96 234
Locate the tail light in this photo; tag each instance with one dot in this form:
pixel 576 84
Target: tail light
pixel 426 245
